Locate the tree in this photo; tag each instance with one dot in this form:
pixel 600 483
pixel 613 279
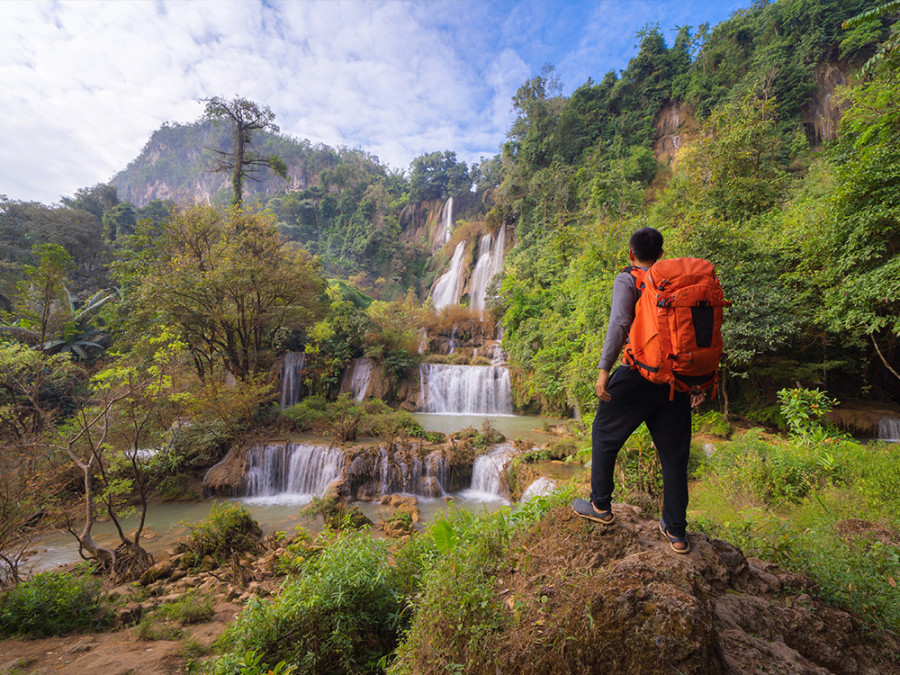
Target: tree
pixel 225 280
pixel 245 117
pixel 438 175
pixel 47 316
pixel 128 409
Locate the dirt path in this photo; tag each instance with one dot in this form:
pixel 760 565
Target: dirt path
pixel 114 652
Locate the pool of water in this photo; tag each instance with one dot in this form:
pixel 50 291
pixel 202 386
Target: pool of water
pixel 168 522
pixel 525 427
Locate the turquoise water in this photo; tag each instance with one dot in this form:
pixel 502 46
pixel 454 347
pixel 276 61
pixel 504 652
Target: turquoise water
pixel 168 522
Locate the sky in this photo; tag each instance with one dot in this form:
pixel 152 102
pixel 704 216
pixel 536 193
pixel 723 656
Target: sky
pixel 84 83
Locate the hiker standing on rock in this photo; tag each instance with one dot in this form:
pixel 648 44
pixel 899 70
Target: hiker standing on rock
pixel 673 345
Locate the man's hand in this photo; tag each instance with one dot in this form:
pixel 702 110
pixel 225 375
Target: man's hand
pixel 602 380
pixel 697 399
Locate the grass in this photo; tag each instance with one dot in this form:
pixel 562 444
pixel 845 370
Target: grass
pixel 828 510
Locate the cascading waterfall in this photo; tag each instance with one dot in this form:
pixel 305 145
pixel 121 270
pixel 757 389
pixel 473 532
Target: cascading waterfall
pixel 292 472
pixel 292 378
pixel 417 478
pixel 542 486
pixel 448 223
pixel 446 288
pixel 487 470
pixel 889 429
pixel 478 390
pixel 489 264
pixel 356 379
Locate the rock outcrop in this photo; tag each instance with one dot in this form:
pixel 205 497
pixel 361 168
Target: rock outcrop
pixel 589 598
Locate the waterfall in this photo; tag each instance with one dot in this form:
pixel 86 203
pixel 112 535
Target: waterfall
pixel 292 472
pixel 481 275
pixel 292 378
pixel 889 429
pixel 356 379
pixel 480 390
pixel 489 265
pixel 542 486
pixel 487 472
pixel 448 223
pixel 417 478
pixel 446 288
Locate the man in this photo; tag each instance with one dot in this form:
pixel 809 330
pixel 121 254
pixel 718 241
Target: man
pixel 627 399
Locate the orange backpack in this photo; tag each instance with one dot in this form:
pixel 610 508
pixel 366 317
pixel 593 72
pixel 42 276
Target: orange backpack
pixel 676 337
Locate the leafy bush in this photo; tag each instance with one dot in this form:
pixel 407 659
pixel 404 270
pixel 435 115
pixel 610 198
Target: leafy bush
pixel 341 614
pixel 457 607
pixel 190 608
pixel 772 471
pixel 638 470
pixel 228 529
pixel 803 408
pixel 53 603
pixel 337 514
pixel 711 422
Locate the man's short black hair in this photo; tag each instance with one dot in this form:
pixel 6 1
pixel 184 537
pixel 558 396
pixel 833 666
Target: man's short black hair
pixel 647 244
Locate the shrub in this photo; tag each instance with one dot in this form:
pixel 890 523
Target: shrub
pixel 190 608
pixel 228 529
pixel 711 422
pixel 52 603
pixel 341 614
pixel 337 514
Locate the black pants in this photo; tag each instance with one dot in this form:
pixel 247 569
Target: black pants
pixel 636 400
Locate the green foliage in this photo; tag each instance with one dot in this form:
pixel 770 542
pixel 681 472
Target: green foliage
pixel 455 564
pixel 341 614
pixel 52 603
pixel 803 409
pixel 774 472
pixel 228 529
pixel 197 275
pixel 337 514
pixel 639 473
pixel 192 607
pixel 437 175
pixel 710 422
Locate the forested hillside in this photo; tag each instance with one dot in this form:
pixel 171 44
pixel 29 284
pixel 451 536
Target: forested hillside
pixel 794 212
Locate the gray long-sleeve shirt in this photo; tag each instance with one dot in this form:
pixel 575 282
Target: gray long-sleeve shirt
pixel 621 315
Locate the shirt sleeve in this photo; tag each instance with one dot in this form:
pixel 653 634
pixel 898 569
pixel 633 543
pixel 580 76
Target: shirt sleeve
pixel 621 315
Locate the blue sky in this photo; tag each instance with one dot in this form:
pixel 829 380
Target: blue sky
pixel 84 84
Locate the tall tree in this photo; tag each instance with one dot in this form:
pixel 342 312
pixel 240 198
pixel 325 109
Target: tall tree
pixel 227 283
pixel 245 117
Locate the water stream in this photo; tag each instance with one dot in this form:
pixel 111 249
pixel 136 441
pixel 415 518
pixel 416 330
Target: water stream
pixel 464 390
pixel 292 378
pixel 889 429
pixel 356 379
pixel 447 288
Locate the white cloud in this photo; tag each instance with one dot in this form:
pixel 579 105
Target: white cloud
pixel 84 84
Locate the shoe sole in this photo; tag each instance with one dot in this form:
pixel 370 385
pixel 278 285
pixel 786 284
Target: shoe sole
pixel 597 518
pixel 681 551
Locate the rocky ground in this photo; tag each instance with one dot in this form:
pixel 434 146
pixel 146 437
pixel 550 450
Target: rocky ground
pixel 586 598
pixel 616 599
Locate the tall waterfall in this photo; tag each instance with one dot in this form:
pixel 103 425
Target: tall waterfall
pixel 447 229
pixel 889 429
pixel 356 379
pixel 446 288
pixel 489 264
pixel 292 472
pixel 292 378
pixel 480 390
pixel 487 471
